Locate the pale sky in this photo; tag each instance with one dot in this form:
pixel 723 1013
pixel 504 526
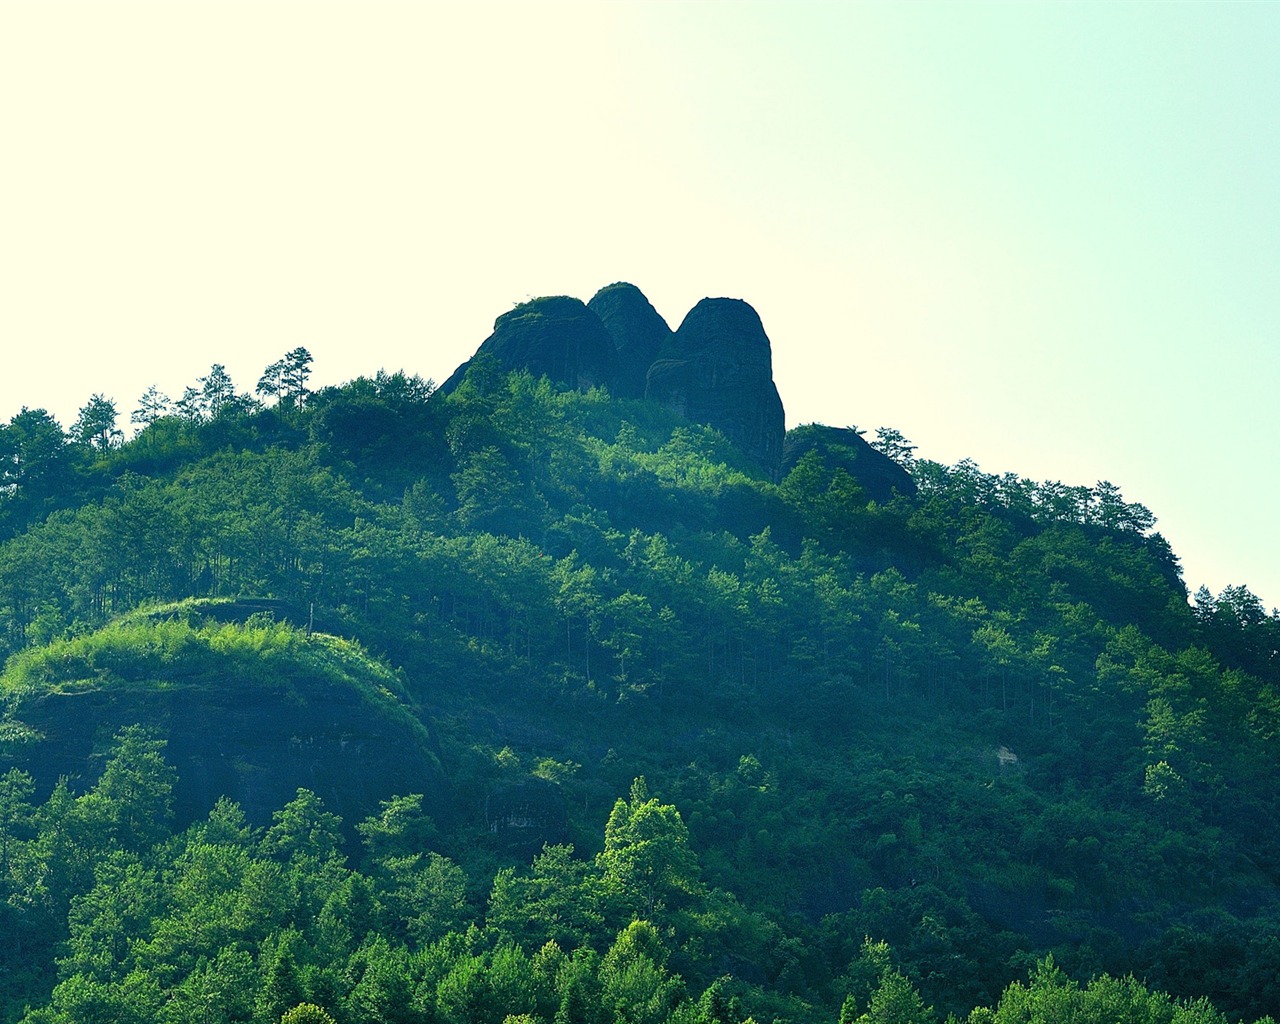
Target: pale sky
pixel 1043 236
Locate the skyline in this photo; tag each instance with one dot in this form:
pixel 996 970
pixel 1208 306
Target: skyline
pixel 1042 237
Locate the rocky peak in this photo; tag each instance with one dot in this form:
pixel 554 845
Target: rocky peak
pixel 638 332
pixel 557 337
pixel 718 369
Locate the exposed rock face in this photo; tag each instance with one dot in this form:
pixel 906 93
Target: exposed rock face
pixel 718 369
pixel 556 337
pixel 526 816
pixel 638 333
pixel 843 448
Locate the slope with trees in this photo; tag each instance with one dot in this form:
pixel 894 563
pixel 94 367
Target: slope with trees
pixel 977 725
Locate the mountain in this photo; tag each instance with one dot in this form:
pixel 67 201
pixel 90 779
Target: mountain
pixel 716 369
pixel 526 697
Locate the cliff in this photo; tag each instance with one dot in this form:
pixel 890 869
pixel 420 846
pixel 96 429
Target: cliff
pixel 717 369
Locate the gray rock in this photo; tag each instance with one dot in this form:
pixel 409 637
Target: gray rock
pixel 557 337
pixel 717 369
pixel 638 333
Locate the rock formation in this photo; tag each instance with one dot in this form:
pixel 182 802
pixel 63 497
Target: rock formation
pixel 844 448
pixel 717 369
pixel 526 816
pixel 556 337
pixel 638 333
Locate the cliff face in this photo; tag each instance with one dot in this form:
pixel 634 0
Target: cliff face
pixel 557 337
pixel 638 333
pixel 718 369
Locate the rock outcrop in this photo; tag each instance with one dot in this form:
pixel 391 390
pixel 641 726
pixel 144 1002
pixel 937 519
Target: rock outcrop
pixel 638 333
pixel 844 448
pixel 251 728
pixel 557 337
pixel 717 369
pixel 526 816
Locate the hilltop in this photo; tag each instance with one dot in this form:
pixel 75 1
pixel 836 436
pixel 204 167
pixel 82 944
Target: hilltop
pixel 422 659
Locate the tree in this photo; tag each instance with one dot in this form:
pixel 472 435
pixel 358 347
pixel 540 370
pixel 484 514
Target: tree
pixel 218 991
pixel 80 1000
pixel 306 1013
pixel 465 994
pixel 96 427
pixel 491 495
pixel 215 397
pixel 105 922
pixel 281 983
pixel 304 830
pixel 647 859
pixel 153 405
pixel 17 825
pixel 384 992
pixel 16 813
pixel 401 829
pixel 427 893
pixel 297 368
pixel 889 996
pixel 216 389
pixel 636 986
pixel 892 443
pixel 133 800
pixel 895 1001
pixel 285 380
pixel 629 619
pixel 557 899
pixel 191 406
pixel 34 460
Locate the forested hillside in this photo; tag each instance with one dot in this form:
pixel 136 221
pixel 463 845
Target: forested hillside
pixel 524 701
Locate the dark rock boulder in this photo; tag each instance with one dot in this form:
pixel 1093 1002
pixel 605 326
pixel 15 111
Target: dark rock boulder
pixel 557 337
pixel 638 333
pixel 717 369
pixel 844 448
pixel 526 816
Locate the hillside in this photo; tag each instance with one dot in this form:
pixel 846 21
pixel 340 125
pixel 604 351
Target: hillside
pixel 833 723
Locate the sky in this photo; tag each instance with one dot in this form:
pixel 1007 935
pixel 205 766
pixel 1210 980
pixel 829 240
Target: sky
pixel 1042 236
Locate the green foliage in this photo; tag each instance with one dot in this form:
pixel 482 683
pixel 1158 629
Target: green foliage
pixel 162 646
pixel 306 1013
pixel 96 425
pixel 1050 996
pixel 131 807
pixel 647 861
pixel 980 725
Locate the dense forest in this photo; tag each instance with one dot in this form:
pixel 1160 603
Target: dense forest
pixel 522 702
